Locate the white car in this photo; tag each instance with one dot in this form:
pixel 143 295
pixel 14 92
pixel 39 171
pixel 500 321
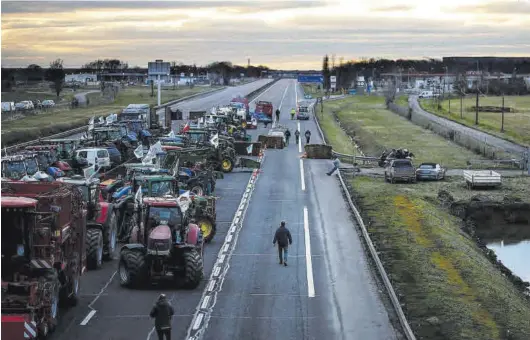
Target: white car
pixel 48 103
pixel 24 105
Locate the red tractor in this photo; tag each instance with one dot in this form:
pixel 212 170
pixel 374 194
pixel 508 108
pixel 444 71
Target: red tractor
pixel 102 225
pixel 164 243
pixel 43 255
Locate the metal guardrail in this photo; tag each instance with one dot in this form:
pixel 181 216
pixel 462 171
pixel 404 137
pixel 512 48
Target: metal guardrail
pixel 373 252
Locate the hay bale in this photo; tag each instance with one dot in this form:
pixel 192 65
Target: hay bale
pixel 318 151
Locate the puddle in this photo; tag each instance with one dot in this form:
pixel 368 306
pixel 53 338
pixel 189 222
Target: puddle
pixel 512 255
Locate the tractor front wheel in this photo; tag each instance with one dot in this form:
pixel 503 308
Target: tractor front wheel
pixel 132 268
pixel 193 273
pixel 227 165
pixel 111 234
pixel 208 229
pixel 94 245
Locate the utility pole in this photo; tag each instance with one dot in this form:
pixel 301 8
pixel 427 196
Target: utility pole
pixel 461 109
pixel 476 108
pixel 502 121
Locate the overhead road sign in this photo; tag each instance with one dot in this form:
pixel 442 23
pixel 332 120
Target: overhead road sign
pixel 310 79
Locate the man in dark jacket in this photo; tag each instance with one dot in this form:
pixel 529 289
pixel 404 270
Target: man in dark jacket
pixel 307 136
pixel 284 239
pixel 162 312
pixel 287 134
pixel 277 115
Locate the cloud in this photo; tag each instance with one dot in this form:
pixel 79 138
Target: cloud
pixel 275 33
pixel 498 7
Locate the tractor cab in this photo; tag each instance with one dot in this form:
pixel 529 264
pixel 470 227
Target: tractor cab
pixel 14 167
pixel 48 159
pixel 198 136
pixel 90 191
pixel 156 185
pixel 106 134
pixel 65 146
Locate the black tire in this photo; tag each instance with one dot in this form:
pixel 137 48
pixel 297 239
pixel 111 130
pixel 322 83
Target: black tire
pixel 196 188
pixel 193 273
pixel 94 248
pixel 111 236
pixel 74 292
pixel 132 268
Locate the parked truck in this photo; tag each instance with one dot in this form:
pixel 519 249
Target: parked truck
pixel 43 255
pixel 264 107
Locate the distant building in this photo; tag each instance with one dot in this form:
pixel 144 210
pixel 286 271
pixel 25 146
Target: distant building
pixel 80 78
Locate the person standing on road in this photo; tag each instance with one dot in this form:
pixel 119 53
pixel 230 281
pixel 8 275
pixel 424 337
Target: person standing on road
pixel 297 136
pixel 284 239
pixel 307 136
pixel 293 112
pixel 277 115
pixel 287 134
pixel 336 164
pixel 162 313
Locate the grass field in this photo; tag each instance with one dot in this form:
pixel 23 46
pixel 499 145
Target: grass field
pixel 449 289
pixel 402 100
pixel 516 124
pixel 38 94
pixel 56 121
pixel 375 128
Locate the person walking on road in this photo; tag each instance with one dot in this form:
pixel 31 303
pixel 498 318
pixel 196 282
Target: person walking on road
pixel 307 136
pixel 284 239
pixel 287 134
pixel 336 164
pixel 293 112
pixel 297 136
pixel 162 313
pixel 277 115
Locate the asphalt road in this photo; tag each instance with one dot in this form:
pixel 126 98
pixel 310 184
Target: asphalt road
pixel 328 291
pixel 123 313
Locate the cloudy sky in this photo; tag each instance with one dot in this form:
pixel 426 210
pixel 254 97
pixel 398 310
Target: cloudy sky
pixel 281 34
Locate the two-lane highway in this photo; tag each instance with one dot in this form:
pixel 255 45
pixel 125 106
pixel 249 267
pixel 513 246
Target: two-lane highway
pixel 107 311
pixel 328 290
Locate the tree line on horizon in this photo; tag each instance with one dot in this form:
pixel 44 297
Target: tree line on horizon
pixel 347 73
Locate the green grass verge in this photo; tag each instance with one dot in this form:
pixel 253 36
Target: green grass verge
pixel 448 287
pixel 516 124
pixel 32 127
pixel 450 290
pixel 402 100
pixel 374 129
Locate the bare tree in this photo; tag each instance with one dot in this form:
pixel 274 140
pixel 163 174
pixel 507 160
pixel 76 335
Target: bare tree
pixel 56 74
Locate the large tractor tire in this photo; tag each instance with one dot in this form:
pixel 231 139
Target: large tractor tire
pixel 227 164
pixel 208 229
pixel 132 268
pixel 196 188
pixel 193 273
pixel 111 236
pixel 94 248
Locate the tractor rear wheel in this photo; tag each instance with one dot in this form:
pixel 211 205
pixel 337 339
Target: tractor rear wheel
pixel 193 272
pixel 132 268
pixel 94 245
pixel 196 188
pixel 208 229
pixel 111 232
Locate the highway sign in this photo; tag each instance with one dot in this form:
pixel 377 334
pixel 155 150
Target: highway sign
pixel 310 79
pixel 333 79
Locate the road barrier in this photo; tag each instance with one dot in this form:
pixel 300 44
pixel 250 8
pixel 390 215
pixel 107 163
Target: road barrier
pixel 373 252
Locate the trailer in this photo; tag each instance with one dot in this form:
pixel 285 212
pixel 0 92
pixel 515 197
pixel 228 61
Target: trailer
pixel 482 178
pixel 43 255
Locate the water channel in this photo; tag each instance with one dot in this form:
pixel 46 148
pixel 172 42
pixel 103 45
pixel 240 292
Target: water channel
pixel 514 255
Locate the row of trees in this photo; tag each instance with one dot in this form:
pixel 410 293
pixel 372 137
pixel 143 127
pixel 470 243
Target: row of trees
pixel 347 73
pixel 54 73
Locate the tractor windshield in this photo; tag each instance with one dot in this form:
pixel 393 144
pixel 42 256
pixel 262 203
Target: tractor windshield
pixel 115 134
pixel 43 160
pixel 165 215
pixel 15 239
pixel 162 188
pixel 31 166
pixel 88 194
pixel 14 169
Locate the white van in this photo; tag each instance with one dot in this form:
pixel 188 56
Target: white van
pixel 95 154
pixel 428 94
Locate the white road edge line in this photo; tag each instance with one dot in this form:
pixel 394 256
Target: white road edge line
pixel 308 261
pixel 93 310
pixel 88 317
pixel 302 179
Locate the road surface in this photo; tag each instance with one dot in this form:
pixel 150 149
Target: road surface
pixel 258 299
pixel 328 290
